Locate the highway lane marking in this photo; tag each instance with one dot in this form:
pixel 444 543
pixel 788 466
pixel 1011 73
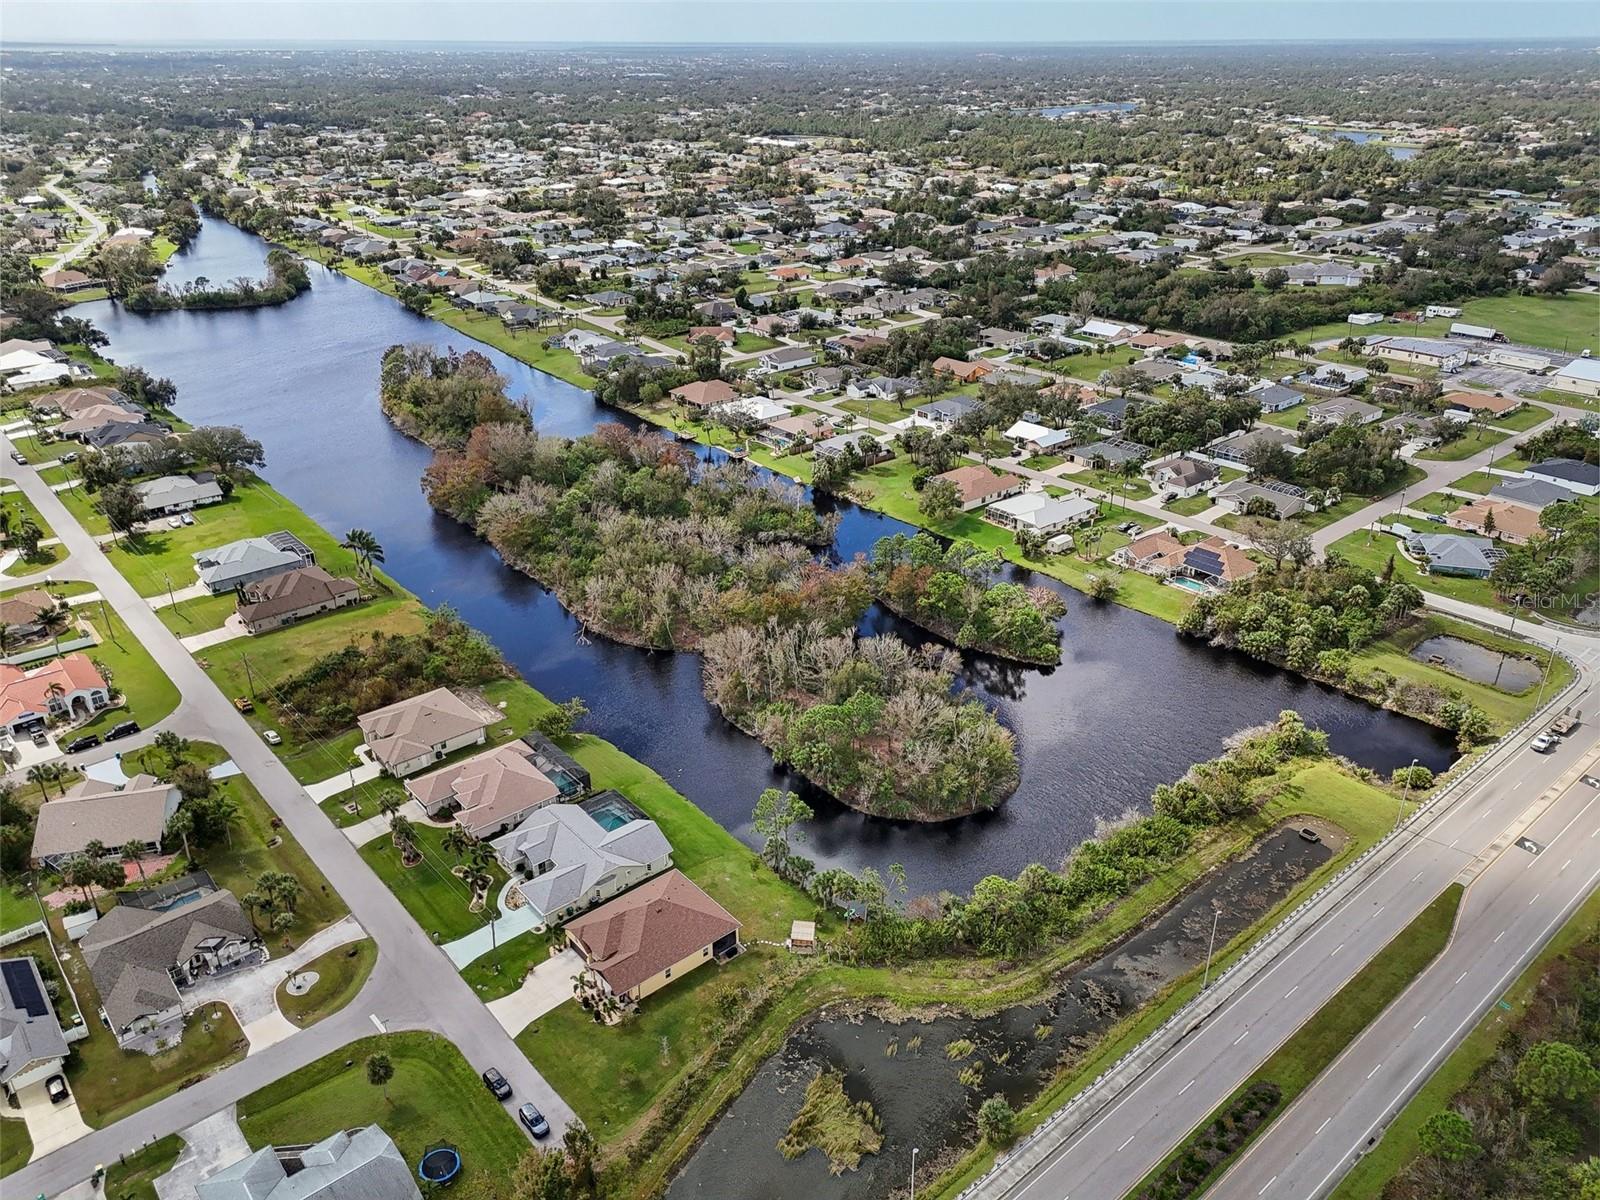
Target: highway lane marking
pixel 1324 1125
pixel 1461 976
pixel 1291 991
pixel 1267 1184
pixel 377 1022
pixel 1336 949
pixel 1565 865
pixel 1374 1070
pixel 1536 895
pixel 1477 1011
pixel 1379 909
pixel 1498 936
pixel 1186 1087
pixel 1416 877
pixel 1124 1145
pixel 1240 1038
pixel 1420 1020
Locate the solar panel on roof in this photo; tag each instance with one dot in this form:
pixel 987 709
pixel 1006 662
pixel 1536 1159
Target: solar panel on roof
pixel 1208 561
pixel 23 985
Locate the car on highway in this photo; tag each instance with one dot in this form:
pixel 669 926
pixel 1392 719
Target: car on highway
pixel 534 1120
pixel 272 737
pixel 56 1088
pixel 1543 744
pixel 122 730
pixel 496 1083
pixel 87 742
pixel 17 457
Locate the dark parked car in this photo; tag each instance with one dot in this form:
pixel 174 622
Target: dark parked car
pixel 534 1120
pixel 87 742
pixel 497 1084
pixel 56 1088
pixel 122 730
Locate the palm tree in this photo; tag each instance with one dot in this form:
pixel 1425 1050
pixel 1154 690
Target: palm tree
pixel 365 547
pixel 402 833
pixel 459 841
pixel 182 824
pixel 133 852
pixel 44 774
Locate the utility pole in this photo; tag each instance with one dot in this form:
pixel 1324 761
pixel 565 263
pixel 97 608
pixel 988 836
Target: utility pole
pixel 915 1150
pixel 1216 919
pixel 249 679
pixel 1550 662
pixel 1405 795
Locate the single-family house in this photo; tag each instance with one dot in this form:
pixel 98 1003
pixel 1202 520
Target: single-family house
pixel 281 600
pixel 1345 409
pixel 1041 513
pixel 860 441
pixel 1236 447
pixel 1582 478
pixel 1108 452
pixel 32 1046
pixel 1181 477
pixel 1466 405
pixel 1512 523
pixel 1450 553
pixel 659 931
pixel 945 412
pixel 115 815
pixel 784 358
pixel 408 735
pixel 704 393
pixel 961 369
pixel 1279 499
pixel 488 793
pixel 789 433
pixel 1274 397
pixel 359 1163
pixel 977 486
pixel 1427 352
pixel 68 688
pixel 24 615
pixel 139 958
pixel 231 566
pixel 1531 493
pixel 178 493
pixel 572 857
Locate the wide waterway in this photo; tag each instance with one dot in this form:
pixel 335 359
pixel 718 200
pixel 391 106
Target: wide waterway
pixel 1132 704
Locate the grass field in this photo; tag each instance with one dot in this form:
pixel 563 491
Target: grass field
pixel 341 972
pixel 1296 1063
pixel 1474 441
pixel 434 1097
pixel 1570 323
pixel 148 694
pixel 16 1147
pixel 436 899
pixel 21 509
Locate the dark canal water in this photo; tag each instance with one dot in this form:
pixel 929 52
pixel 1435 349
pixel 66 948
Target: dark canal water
pixel 1132 704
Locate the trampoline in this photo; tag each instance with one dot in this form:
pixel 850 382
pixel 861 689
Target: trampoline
pixel 440 1165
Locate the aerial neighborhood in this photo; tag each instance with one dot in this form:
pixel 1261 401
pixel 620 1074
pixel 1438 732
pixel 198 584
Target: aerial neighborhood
pixel 630 620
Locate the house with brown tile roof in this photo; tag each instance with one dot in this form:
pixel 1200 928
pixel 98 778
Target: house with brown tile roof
pixel 66 686
pixel 409 735
pixel 1509 522
pixel 1478 402
pixel 489 792
pixel 658 932
pixel 281 600
pixel 977 485
pixel 962 369
pixel 705 393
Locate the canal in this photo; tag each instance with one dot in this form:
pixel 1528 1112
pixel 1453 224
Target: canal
pixel 1131 705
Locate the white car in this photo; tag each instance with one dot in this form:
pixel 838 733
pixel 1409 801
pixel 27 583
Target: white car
pixel 186 519
pixel 175 522
pixel 1542 744
pixel 271 738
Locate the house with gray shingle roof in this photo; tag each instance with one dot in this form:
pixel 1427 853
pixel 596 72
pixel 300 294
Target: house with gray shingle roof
pixel 575 856
pixel 31 1042
pixel 139 958
pixel 362 1163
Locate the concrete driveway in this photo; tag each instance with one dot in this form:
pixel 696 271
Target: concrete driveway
pixel 252 994
pixel 208 1146
pixel 51 1126
pixel 484 939
pixel 548 986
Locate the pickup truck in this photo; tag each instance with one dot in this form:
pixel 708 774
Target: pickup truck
pixel 1565 724
pixel 244 704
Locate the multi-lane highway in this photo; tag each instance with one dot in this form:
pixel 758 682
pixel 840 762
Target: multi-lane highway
pixel 1514 901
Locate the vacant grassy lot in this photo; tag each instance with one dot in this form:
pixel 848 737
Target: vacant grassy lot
pixel 436 899
pixel 1569 323
pixel 21 509
pixel 134 1177
pixel 434 1096
pixel 1474 441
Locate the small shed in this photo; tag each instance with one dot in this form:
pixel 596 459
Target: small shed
pixel 803 937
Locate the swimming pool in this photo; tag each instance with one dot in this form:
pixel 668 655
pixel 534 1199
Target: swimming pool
pixel 612 810
pixel 1187 584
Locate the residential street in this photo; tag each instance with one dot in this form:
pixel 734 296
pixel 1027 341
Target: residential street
pixel 413 984
pixel 86 243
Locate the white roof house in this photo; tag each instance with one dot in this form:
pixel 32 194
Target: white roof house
pixel 1041 513
pixel 573 860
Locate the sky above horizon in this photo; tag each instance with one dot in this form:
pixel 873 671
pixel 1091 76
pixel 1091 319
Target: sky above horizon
pixel 793 22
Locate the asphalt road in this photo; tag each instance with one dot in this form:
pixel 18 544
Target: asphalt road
pixel 1110 1154
pixel 1509 912
pixel 413 984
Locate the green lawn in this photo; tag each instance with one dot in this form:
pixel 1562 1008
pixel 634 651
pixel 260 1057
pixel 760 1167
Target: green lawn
pixel 16 1147
pixel 1399 1144
pixel 1568 323
pixel 1474 441
pixel 501 971
pixel 134 1176
pixel 341 972
pixel 436 899
pixel 1298 1061
pixel 164 556
pixel 1043 462
pixel 149 695
pixel 22 509
pixel 435 1096
pixel 1478 481
pixel 1523 419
